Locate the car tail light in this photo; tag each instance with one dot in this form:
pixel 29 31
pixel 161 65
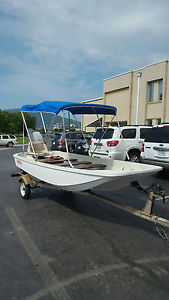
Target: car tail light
pixel 112 143
pixel 61 141
pixel 142 148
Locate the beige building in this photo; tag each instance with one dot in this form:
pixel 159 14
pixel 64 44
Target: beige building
pixel 141 96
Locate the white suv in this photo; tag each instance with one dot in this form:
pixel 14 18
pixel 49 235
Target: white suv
pixel 119 143
pixel 155 149
pixel 8 140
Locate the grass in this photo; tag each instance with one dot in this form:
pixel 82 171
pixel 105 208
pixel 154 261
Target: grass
pixel 20 140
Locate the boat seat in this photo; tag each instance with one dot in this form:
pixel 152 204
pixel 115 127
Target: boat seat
pixel 91 166
pixel 83 165
pixel 56 160
pixel 40 149
pixel 74 163
pixel 52 159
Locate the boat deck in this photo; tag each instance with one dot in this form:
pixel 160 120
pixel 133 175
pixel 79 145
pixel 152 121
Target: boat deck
pixel 78 164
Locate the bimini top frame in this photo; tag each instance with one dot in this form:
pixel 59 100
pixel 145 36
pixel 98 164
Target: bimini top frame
pixel 55 107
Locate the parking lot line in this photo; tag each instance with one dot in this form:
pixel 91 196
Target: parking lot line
pixel 76 278
pixel 97 272
pixel 36 257
pixel 57 288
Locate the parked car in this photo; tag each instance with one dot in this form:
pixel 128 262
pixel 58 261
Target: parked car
pixel 8 140
pixel 119 142
pixel 82 146
pixel 58 140
pixel 155 149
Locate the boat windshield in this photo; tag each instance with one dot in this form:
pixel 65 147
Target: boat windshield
pixel 35 136
pixel 108 133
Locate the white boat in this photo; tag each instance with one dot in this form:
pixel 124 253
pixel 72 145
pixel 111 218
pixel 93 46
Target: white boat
pixel 91 173
pixel 73 172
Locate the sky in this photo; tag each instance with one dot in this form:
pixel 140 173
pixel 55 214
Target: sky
pixel 64 49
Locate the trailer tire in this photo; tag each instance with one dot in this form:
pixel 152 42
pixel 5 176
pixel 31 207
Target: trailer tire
pixel 24 189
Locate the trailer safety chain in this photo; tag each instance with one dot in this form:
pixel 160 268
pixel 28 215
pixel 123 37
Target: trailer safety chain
pixel 162 231
pixel 156 188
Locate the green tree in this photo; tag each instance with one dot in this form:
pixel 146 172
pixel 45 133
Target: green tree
pixel 30 120
pixel 13 123
pixel 4 121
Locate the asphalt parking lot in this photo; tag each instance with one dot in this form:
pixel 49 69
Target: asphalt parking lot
pixel 59 245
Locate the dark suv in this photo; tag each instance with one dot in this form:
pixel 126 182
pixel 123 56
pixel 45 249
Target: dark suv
pixel 58 140
pixel 82 146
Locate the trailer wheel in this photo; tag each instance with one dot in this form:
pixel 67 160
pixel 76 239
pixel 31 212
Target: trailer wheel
pixel 24 189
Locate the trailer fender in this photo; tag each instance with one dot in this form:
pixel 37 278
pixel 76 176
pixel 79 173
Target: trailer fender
pixel 26 179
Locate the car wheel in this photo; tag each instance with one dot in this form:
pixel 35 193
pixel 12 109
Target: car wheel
pixel 134 157
pixel 10 144
pixel 24 190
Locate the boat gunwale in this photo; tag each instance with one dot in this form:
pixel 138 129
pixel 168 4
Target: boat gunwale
pixel 99 173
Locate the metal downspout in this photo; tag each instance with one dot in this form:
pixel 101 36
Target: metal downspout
pixel 138 96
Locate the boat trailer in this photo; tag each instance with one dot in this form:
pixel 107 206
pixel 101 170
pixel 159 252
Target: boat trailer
pixel 154 193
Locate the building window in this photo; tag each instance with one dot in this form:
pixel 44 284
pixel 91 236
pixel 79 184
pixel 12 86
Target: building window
pixel 149 122
pixel 160 90
pixel 150 96
pixel 158 121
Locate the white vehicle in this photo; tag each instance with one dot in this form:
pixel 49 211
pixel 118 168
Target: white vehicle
pixel 119 143
pixel 155 149
pixel 8 140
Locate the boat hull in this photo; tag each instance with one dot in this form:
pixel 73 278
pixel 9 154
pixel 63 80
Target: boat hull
pixel 72 179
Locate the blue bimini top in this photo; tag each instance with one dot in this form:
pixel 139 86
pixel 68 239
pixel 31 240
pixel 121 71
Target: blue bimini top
pixel 75 108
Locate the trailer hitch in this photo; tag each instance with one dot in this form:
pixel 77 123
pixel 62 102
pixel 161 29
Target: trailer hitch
pixel 154 188
pixel 155 192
